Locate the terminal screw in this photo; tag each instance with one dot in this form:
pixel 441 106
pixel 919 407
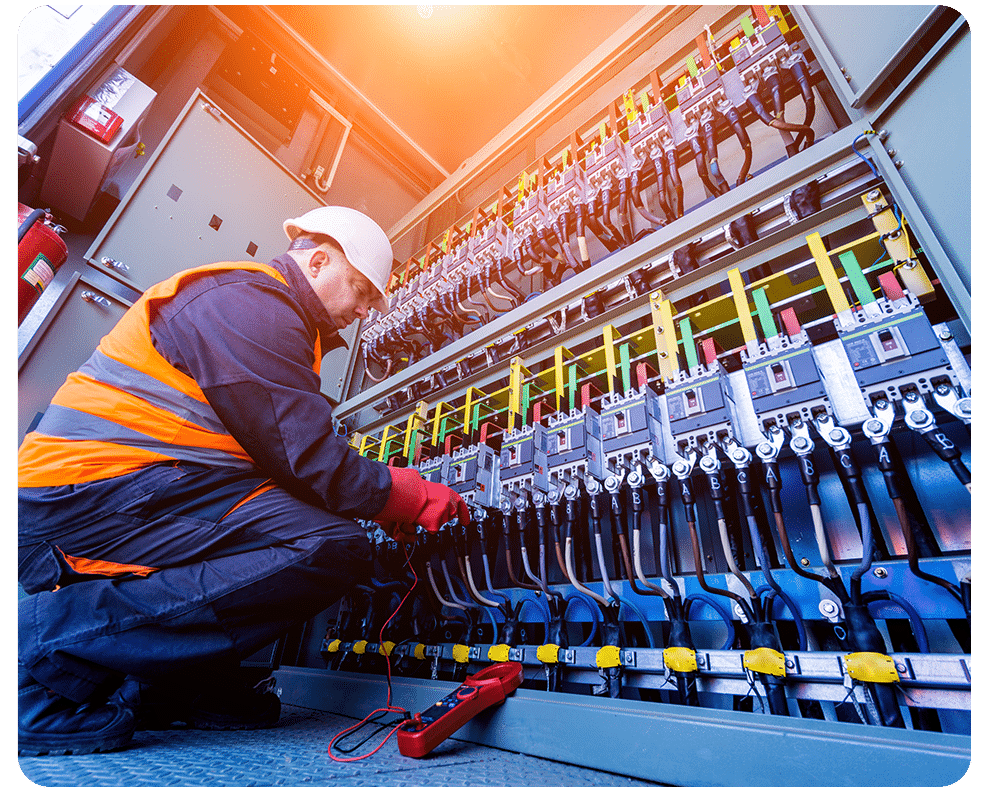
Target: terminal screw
pixel 830 610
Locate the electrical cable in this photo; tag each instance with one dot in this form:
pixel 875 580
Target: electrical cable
pixel 709 140
pixel 388 707
pixel 568 555
pixel 607 202
pixel 436 591
pixel 867 552
pixel 542 609
pixel 793 610
pixel 719 609
pixel 627 227
pixel 799 69
pixel 650 638
pixel 915 622
pixel 699 155
pixel 517 295
pixel 590 605
pixel 689 506
pixel 599 545
pixel 674 186
pixel 639 203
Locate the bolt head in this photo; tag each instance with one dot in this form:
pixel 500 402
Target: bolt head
pixel 874 426
pixel 917 416
pixel 881 573
pixel 799 443
pixel 764 448
pixel 836 435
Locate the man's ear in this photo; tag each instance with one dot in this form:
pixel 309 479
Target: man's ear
pixel 318 261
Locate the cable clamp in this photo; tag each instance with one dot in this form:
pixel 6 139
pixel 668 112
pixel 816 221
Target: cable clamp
pixel 359 647
pixel 765 661
pixel 499 652
pixel 679 659
pixel 870 666
pixel 334 646
pixel 461 653
pixel 386 648
pixel 608 657
pixel 547 653
pixel 419 652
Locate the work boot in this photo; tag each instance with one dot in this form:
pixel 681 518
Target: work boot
pixel 52 724
pixel 221 705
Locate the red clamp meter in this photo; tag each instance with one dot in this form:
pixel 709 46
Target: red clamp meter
pixel 478 692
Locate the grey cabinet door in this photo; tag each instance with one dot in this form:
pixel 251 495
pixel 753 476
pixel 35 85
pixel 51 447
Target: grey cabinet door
pixel 210 193
pixel 83 314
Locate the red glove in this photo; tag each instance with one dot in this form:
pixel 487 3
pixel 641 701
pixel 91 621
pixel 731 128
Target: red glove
pixel 416 501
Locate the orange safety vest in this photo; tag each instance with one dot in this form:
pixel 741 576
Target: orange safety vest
pixel 127 407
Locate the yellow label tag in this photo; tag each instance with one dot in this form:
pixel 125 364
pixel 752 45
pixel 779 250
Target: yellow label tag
pixel 386 648
pixel 498 653
pixel 334 646
pixel 765 661
pixel 549 653
pixel 870 666
pixel 461 653
pixel 608 657
pixel 679 658
pixel 360 647
pixel 629 106
pixel 419 651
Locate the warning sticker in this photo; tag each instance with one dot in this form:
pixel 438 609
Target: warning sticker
pixel 39 273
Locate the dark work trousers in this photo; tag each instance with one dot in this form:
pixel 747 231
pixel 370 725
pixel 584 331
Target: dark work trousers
pixel 231 576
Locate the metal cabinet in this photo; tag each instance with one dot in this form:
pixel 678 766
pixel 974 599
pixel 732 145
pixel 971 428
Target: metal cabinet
pixel 209 193
pixel 79 317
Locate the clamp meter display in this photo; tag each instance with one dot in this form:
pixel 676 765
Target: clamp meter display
pixel 479 691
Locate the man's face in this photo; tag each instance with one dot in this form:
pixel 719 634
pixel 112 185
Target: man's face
pixel 345 292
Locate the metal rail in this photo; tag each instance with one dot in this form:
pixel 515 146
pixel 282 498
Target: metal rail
pixel 766 187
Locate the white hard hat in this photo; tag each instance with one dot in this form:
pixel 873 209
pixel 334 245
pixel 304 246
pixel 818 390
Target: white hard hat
pixel 364 242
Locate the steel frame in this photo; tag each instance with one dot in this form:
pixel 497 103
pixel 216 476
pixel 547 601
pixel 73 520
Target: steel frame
pixel 766 187
pixel 662 743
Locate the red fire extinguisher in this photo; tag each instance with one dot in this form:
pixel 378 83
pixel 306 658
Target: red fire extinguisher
pixel 40 253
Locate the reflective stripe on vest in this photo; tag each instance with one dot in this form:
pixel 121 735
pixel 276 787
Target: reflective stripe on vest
pixel 127 407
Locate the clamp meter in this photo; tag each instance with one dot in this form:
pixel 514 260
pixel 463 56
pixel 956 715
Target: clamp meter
pixel 479 691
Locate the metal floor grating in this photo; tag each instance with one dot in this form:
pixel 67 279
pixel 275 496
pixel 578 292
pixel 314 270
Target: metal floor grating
pixel 294 754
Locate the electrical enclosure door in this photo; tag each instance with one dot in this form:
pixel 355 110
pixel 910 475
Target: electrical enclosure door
pixel 210 193
pixel 83 314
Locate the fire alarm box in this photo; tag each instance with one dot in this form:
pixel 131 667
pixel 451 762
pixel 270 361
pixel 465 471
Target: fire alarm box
pixel 95 118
